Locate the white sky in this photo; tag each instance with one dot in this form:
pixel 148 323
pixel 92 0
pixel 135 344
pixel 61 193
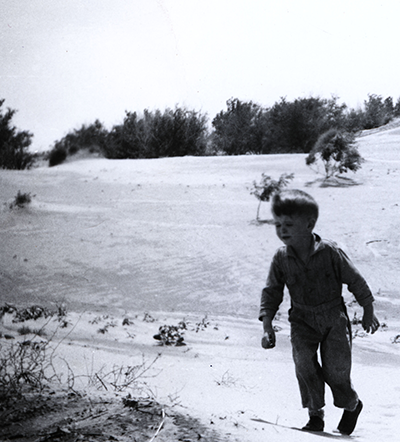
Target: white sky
pixel 67 62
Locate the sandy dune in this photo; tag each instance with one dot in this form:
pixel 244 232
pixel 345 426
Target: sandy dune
pixel 176 238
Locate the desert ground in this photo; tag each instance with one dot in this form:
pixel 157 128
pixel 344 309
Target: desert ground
pixel 125 247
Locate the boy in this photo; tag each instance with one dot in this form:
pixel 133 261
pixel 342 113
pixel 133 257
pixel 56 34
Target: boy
pixel 314 271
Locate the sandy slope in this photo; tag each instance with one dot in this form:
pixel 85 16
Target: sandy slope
pixel 176 238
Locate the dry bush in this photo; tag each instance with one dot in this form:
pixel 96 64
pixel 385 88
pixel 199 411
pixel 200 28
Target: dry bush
pixel 122 378
pixel 24 366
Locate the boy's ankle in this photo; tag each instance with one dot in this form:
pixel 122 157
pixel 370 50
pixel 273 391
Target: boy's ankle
pixel 315 423
pixel 318 413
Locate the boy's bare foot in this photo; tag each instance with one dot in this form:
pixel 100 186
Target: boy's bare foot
pixel 314 424
pixel 349 419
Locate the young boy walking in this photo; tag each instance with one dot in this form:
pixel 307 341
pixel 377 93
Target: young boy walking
pixel 314 270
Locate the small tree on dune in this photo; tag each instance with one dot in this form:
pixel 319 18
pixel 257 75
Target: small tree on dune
pixel 264 190
pixel 337 151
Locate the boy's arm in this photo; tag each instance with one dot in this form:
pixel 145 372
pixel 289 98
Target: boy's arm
pixel 359 287
pixel 370 322
pixel 271 298
pixel 355 282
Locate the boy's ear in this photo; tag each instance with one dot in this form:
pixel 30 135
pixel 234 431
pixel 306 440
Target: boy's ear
pixel 311 223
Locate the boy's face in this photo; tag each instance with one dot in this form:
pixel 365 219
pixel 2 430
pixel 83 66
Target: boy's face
pixel 294 230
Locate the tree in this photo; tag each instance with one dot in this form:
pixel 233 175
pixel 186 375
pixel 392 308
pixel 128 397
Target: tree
pixel 14 144
pixel 377 111
pixel 240 129
pixel 294 127
pixel 264 190
pixel 178 132
pixel 123 141
pixel 354 120
pixel 337 151
pixel 396 109
pixel 175 132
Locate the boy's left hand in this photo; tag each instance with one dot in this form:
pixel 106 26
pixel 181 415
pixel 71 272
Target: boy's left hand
pixel 370 322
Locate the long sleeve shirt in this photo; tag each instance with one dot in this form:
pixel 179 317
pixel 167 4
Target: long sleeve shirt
pixel 315 285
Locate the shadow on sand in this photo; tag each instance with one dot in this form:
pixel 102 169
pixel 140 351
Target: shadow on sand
pixel 337 181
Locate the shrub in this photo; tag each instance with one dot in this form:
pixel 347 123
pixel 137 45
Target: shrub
pixel 171 334
pixel 14 144
pixel 176 132
pixel 21 200
pixel 25 330
pixel 123 378
pixel 240 129
pixel 91 137
pixel 377 111
pixel 285 127
pixel 23 364
pixel 294 127
pixel 396 109
pixel 337 151
pixel 264 190
pixel 57 156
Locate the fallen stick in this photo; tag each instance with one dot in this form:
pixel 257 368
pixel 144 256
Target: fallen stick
pixel 159 427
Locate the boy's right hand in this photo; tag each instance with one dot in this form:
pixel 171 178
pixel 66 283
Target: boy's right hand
pixel 268 340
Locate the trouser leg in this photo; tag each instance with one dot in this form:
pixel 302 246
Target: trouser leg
pixel 336 363
pixel 309 372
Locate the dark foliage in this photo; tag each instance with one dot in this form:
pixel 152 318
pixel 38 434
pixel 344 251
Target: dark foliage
pixel 337 151
pixel 57 156
pixel 91 137
pixel 286 127
pixel 22 199
pixel 176 132
pixel 378 111
pixel 14 144
pixel 239 130
pixel 244 128
pixel 294 127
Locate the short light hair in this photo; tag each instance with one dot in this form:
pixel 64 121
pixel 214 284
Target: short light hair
pixel 294 202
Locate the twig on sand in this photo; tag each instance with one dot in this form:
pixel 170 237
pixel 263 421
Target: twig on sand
pixel 101 381
pixel 159 427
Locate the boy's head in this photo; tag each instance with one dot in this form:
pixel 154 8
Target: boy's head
pixel 295 213
pixel 294 203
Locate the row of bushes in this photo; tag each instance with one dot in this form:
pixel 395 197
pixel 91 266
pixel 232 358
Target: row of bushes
pixel 243 128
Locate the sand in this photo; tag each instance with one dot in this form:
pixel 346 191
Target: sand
pixel 157 242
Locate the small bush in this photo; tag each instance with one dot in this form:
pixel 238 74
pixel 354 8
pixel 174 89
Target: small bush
pixel 24 330
pixel 23 365
pixel 57 156
pixel 264 190
pixel 202 325
pixel 171 334
pixel 337 151
pixel 20 200
pixel 34 312
pixel 122 378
